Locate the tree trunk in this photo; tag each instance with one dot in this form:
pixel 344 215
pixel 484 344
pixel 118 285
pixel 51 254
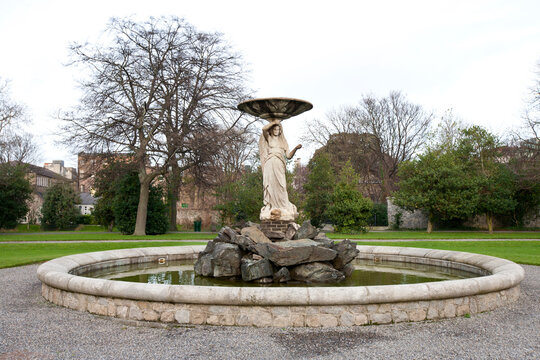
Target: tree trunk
pixel 430 224
pixel 142 209
pixel 173 202
pixel 489 220
pixel 174 183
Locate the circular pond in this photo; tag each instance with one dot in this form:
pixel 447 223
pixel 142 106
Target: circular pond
pixel 496 284
pixel 366 273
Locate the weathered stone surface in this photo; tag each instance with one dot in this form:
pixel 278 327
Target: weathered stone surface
pixel 244 242
pixel 210 246
pixel 227 259
pixel 324 240
pixel 219 259
pixel 316 272
pixel 306 231
pixel 226 233
pixel 204 265
pixel 295 252
pixel 348 270
pixel 291 231
pixel 255 269
pixel 327 228
pixel 255 234
pixel 252 224
pixel 346 252
pixel 274 235
pixel 282 275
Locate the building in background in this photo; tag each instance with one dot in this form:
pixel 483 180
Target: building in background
pixel 87 203
pixel 90 163
pixel 41 179
pixel 58 167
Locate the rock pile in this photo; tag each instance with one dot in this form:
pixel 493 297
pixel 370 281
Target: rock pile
pixel 302 253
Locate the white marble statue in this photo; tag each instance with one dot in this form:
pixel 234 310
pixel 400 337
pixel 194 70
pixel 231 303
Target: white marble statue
pixel 274 152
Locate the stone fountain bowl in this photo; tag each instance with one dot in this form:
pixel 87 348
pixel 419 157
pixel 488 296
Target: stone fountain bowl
pixel 497 285
pixel 275 108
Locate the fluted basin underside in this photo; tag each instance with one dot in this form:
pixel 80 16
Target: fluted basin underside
pixel 315 306
pixel 275 108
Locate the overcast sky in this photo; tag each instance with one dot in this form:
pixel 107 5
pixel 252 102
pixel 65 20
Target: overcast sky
pixel 477 57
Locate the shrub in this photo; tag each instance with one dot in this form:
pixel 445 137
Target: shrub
pixel 349 210
pixel 15 192
pixel 59 211
pixel 379 215
pixel 85 219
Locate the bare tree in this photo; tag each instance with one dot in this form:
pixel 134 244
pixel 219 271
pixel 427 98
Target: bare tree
pixel 18 146
pixel 400 127
pixel 158 91
pixel 344 120
pixel 10 112
pixel 393 129
pixel 15 144
pixel 525 141
pixel 447 133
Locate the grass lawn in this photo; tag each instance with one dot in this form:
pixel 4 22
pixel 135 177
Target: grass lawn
pixel 75 236
pixel 23 254
pixel 521 252
pixel 395 235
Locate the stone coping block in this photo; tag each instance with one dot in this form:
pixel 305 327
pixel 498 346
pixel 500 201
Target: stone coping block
pixel 60 274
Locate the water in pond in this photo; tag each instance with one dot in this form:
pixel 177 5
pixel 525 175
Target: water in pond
pixel 367 273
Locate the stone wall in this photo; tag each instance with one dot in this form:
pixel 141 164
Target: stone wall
pixel 409 219
pixel 280 316
pixel 479 222
pixel 418 220
pixel 197 202
pixel 283 307
pixel 532 220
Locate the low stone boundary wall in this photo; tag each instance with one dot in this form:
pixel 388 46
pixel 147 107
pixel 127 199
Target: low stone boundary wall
pixel 282 307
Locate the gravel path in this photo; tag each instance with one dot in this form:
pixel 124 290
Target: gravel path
pixel 31 328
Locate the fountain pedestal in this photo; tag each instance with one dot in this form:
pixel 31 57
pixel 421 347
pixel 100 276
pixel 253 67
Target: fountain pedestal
pixel 275 225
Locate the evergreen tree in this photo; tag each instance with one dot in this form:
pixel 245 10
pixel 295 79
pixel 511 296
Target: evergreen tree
pixel 106 185
pixel 241 200
pixel 481 151
pixel 319 188
pixel 58 210
pixel 349 210
pixel 125 203
pixel 439 184
pixel 15 192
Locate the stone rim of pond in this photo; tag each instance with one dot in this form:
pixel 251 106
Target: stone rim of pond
pixel 500 274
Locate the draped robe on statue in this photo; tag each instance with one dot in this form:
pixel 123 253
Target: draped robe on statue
pixel 273 150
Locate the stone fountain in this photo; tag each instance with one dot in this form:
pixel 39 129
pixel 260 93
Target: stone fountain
pixel 278 250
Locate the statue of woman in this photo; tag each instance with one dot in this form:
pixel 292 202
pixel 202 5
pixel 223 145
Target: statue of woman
pixel 274 151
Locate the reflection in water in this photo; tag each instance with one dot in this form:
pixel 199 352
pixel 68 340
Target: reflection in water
pixel 367 273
